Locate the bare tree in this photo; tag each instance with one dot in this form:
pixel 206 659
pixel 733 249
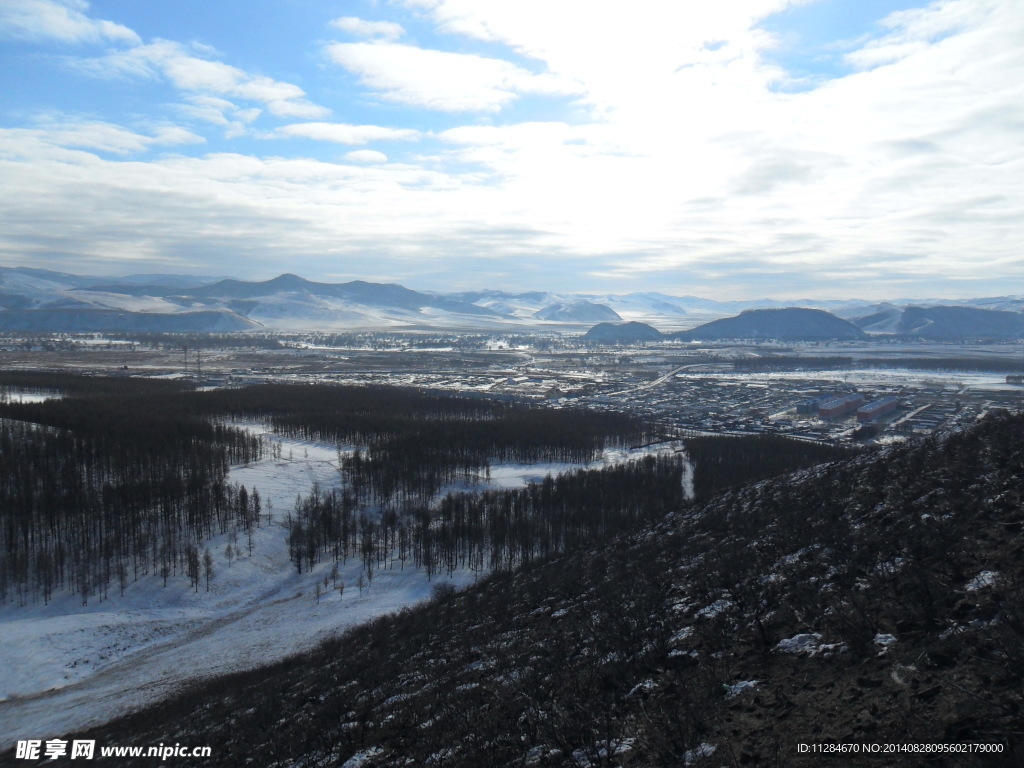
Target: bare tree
pixel 192 562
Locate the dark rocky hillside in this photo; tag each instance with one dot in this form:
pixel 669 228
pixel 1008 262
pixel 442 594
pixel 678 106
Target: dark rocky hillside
pixel 873 600
pixel 622 333
pixel 786 324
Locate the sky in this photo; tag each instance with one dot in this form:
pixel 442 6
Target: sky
pixel 740 149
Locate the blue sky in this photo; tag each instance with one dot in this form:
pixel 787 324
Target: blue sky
pixel 757 148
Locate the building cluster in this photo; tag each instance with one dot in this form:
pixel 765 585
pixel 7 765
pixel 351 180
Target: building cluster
pixel 928 418
pixel 833 406
pixel 876 409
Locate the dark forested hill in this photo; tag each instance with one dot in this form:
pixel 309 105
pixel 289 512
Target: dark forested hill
pixel 789 323
pixel 622 333
pixel 873 600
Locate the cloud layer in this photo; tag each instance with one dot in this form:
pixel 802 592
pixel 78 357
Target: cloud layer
pixel 665 147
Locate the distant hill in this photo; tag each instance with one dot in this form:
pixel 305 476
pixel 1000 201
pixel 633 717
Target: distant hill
pixel 577 312
pixel 111 320
pixel 945 323
pixel 358 292
pixel 11 274
pixel 884 319
pixel 151 280
pixel 622 333
pixel 787 324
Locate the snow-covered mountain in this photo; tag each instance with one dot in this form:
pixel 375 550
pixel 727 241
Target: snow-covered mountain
pixel 577 312
pixel 943 322
pixel 40 300
pixel 43 300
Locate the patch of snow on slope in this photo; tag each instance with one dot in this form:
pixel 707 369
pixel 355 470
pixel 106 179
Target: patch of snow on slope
pixel 702 751
pixel 982 580
pixel 737 688
pixel 803 643
pixel 127 302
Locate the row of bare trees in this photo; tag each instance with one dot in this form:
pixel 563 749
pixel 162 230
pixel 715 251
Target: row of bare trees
pixel 489 530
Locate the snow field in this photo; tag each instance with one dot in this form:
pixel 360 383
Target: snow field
pixel 65 666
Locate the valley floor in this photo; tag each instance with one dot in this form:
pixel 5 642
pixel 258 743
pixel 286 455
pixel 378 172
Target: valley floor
pixel 68 666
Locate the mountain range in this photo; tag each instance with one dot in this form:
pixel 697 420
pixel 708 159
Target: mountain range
pixel 942 323
pixel 39 300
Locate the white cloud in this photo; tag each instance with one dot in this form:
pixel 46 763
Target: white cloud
pixel 679 165
pixel 388 30
pixel 209 109
pixel 439 80
pixel 191 211
pixel 175 134
pixel 366 156
pixel 342 133
pixel 54 20
pixel 189 72
pixel 103 137
pixel 212 109
pixel 915 29
pixel 618 55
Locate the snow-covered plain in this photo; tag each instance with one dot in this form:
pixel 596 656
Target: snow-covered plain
pixel 65 666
